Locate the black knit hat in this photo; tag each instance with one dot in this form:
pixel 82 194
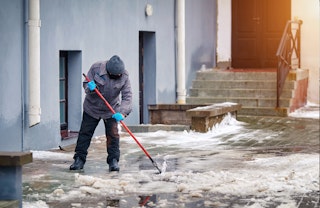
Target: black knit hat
pixel 115 65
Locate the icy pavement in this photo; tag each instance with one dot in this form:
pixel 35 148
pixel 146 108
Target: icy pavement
pixel 250 162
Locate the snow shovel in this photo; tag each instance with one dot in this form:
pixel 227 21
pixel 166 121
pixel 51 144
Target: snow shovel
pixel 124 126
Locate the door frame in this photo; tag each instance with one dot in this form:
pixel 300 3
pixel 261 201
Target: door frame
pixel 147 73
pixel 73 68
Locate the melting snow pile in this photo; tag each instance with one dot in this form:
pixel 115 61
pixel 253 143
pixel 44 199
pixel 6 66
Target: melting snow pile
pixel 263 176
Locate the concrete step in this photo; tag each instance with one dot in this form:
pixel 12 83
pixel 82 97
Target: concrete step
pixel 278 112
pixel 243 84
pixel 254 89
pixel 252 93
pixel 244 101
pixel 227 75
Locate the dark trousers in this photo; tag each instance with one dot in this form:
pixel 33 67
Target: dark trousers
pixel 86 132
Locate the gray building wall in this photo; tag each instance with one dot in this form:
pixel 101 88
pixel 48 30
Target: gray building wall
pixel 201 27
pixel 11 78
pixel 92 30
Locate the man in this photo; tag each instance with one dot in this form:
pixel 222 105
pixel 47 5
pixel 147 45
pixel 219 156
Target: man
pixel 112 80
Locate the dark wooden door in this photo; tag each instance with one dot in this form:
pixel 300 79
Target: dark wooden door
pixel 257 27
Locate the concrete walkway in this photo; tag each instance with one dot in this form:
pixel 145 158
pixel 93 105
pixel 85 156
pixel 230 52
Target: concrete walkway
pixel 259 163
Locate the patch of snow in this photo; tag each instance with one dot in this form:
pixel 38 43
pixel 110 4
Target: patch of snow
pixel 47 155
pixel 192 139
pixel 36 204
pixel 311 110
pixel 280 176
pixel 58 192
pixel 225 104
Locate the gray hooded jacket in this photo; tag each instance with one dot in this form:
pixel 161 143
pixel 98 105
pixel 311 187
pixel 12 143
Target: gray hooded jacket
pixel 116 91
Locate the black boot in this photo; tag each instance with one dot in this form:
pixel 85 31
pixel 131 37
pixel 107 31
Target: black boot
pixel 113 166
pixel 77 164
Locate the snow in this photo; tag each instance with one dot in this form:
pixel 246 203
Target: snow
pixel 49 155
pixel 225 104
pixel 37 204
pixel 262 175
pixel 305 112
pixel 282 177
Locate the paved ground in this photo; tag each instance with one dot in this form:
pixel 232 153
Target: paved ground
pixel 48 183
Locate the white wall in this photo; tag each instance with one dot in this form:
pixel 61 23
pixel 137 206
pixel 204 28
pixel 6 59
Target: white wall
pixel 310 52
pixel 224 31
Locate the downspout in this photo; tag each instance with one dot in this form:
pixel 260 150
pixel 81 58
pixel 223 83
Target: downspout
pixel 180 18
pixel 34 24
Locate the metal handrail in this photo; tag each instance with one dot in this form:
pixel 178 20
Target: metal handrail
pixel 288 53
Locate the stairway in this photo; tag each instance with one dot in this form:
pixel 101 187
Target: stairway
pixel 255 90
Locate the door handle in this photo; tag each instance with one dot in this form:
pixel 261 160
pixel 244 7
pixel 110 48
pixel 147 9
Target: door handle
pixel 257 19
